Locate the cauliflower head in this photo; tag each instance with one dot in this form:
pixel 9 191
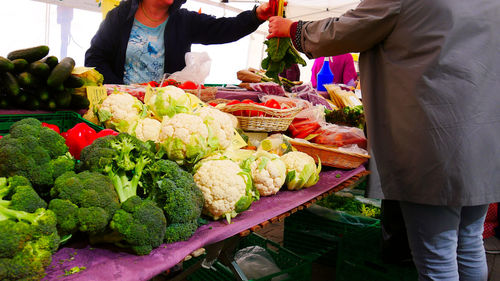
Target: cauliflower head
pixel 120 111
pixel 168 101
pixel 226 188
pixel 301 170
pixel 184 138
pixel 147 129
pixel 221 124
pixel 268 172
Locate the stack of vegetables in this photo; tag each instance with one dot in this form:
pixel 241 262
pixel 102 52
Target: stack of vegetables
pixel 30 79
pixel 135 194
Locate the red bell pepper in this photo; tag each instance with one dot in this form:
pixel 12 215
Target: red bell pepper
pixel 79 137
pixel 51 126
pixel 105 132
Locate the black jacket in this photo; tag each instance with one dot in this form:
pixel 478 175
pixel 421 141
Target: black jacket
pixel 108 47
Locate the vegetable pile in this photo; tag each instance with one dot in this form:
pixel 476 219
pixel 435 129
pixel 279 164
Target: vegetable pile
pixel 30 79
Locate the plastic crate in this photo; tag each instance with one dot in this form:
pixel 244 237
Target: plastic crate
pixel 293 267
pixel 359 259
pixel 65 120
pixel 315 233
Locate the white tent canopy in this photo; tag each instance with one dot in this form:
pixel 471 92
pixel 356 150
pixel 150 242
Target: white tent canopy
pixel 67 26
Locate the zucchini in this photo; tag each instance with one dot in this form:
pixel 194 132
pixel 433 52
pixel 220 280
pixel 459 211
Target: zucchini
pixel 30 54
pixel 10 83
pixel 39 69
pixel 20 65
pixel 22 98
pixel 43 95
pixel 61 72
pixel 52 61
pixel 6 65
pixel 49 105
pixel 73 81
pixel 4 103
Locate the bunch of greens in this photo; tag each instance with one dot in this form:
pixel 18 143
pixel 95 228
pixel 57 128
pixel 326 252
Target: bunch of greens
pixel 347 116
pixel 281 55
pixel 349 205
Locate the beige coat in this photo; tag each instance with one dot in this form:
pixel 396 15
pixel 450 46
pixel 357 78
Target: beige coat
pixel 430 76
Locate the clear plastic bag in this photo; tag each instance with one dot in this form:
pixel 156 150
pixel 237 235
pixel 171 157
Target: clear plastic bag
pixel 256 263
pixel 197 68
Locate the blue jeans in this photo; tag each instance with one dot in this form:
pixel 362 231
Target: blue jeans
pixel 446 242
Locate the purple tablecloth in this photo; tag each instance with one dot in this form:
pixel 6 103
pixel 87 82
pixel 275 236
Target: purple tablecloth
pixel 106 264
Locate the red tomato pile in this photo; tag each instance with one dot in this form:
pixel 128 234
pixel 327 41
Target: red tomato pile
pixel 271 103
pixel 188 85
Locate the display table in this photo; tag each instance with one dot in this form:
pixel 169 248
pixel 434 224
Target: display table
pixel 107 264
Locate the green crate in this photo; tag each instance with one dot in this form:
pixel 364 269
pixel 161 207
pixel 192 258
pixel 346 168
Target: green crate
pixel 359 259
pixel 315 233
pixel 65 120
pixel 296 268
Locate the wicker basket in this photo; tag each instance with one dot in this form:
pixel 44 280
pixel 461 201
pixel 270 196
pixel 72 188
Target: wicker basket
pixel 204 94
pixel 331 156
pixel 273 120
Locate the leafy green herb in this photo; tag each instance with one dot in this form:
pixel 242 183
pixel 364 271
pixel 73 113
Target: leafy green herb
pixel 74 270
pixel 281 55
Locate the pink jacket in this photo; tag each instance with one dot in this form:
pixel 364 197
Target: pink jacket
pixel 342 67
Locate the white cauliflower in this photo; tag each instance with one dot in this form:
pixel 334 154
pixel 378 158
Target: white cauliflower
pixel 167 101
pixel 120 111
pixel 220 123
pixel 301 170
pixel 184 138
pixel 226 188
pixel 148 129
pixel 268 173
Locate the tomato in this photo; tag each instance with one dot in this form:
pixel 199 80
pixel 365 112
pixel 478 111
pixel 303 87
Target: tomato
pixel 272 103
pixel 188 85
pixel 251 113
pixel 213 104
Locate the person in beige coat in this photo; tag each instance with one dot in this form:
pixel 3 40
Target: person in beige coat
pixel 430 73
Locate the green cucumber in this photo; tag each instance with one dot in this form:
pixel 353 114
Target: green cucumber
pixel 43 95
pixel 63 99
pixel 61 72
pixel 49 105
pixel 6 65
pixel 30 54
pixel 10 83
pixel 32 103
pixel 73 81
pixel 20 65
pixel 79 102
pixel 39 69
pixel 52 61
pixel 25 79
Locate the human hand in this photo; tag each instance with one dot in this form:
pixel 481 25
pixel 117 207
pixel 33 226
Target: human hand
pixel 279 27
pixel 264 11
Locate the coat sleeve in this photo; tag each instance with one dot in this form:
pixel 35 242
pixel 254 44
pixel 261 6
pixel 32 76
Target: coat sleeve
pixel 206 29
pixel 356 31
pixel 103 46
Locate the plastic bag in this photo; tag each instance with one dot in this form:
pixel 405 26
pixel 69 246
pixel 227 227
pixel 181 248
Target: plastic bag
pixel 256 262
pixel 339 136
pixel 197 68
pixel 268 88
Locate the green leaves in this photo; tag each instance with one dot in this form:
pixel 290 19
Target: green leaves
pixel 281 55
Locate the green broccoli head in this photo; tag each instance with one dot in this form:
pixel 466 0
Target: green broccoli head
pixel 85 201
pixel 27 242
pixel 123 158
pixel 180 231
pixel 141 225
pixel 28 150
pixel 16 193
pixel 67 215
pixel 175 191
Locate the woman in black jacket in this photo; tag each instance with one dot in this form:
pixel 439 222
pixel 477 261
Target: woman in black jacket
pixel 124 46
